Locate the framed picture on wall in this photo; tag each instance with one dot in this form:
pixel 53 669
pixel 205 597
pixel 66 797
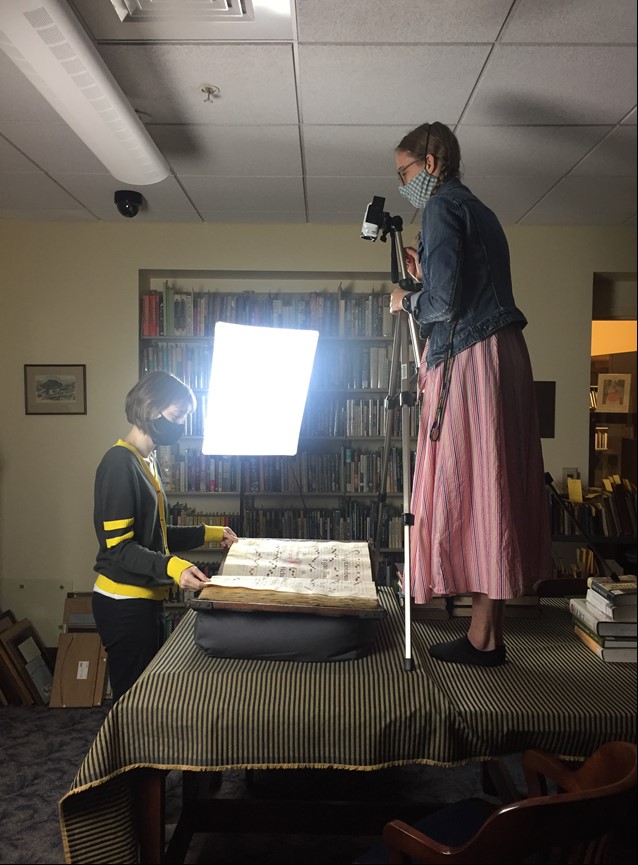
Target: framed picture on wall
pixel 55 389
pixel 614 390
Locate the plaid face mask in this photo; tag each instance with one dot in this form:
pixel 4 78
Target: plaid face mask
pixel 419 190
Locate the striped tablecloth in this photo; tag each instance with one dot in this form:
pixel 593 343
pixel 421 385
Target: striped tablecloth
pixel 191 711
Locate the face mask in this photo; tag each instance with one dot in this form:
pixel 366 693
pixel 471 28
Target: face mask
pixel 165 431
pixel 419 190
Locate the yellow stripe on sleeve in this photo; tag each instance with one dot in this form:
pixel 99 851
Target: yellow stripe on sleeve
pixel 110 525
pixel 113 542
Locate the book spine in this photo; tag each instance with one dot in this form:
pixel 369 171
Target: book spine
pixel 619 613
pixel 612 595
pixel 588 617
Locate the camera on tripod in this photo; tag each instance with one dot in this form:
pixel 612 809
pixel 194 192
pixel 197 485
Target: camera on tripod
pixel 373 219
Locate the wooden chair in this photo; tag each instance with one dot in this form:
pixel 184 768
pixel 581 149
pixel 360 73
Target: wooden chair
pixel 571 824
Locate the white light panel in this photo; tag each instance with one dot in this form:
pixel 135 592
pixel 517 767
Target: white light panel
pixel 258 387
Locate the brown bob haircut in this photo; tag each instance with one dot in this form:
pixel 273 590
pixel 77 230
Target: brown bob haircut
pixel 153 394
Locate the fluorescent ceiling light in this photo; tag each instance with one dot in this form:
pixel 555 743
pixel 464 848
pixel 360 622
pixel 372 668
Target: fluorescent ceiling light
pixel 48 45
pixel 258 387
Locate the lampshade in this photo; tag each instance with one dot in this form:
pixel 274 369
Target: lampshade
pixel 48 44
pixel 258 387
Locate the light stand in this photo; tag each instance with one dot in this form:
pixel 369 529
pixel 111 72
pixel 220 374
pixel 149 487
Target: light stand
pixel 404 398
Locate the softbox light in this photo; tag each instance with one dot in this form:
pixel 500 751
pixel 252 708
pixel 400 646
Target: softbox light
pixel 258 387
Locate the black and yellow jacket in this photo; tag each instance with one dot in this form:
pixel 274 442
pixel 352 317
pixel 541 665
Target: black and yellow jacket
pixel 130 515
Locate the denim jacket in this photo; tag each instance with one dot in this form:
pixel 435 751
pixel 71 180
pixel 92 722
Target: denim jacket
pixel 466 273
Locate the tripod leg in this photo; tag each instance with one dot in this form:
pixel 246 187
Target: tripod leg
pixel 406 400
pixel 391 403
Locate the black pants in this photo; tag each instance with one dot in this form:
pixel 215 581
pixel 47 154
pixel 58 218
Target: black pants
pixel 132 632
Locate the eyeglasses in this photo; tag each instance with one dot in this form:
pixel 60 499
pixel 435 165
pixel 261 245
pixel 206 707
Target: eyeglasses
pixel 404 168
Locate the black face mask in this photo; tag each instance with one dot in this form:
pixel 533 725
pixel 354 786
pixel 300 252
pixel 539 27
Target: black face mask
pixel 165 431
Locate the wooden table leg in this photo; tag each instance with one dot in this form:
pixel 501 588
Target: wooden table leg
pixel 150 814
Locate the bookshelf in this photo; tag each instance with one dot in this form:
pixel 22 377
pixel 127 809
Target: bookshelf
pixel 328 490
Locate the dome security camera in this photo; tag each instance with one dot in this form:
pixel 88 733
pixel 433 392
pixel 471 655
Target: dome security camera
pixel 128 202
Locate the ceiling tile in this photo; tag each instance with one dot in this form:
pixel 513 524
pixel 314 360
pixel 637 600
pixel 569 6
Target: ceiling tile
pixel 11 159
pixel 525 151
pixel 19 99
pixel 53 146
pixel 379 83
pixel 401 21
pixel 572 21
pixel 24 193
pixel 235 150
pixel 630 119
pixel 557 84
pixel 213 196
pixel 509 197
pixel 329 194
pixel 586 201
pixel 615 156
pixel 343 151
pixel 256 82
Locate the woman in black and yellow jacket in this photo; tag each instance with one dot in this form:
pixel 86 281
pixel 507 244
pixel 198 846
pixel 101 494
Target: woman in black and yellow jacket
pixel 135 563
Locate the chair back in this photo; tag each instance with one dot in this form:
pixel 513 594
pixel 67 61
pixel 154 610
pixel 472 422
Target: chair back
pixel 571 825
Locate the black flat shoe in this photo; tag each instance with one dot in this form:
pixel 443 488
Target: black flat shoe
pixel 461 651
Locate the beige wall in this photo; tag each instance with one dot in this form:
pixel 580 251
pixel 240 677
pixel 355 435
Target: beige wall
pixel 69 295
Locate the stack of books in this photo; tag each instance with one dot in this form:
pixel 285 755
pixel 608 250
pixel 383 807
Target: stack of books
pixel 605 619
pixel 523 607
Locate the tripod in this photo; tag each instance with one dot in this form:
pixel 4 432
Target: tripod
pixel 401 394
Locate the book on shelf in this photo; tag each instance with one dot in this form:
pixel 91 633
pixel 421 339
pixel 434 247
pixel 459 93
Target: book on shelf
pixel 607 642
pixel 620 592
pixel 610 656
pixel 598 622
pixel 617 612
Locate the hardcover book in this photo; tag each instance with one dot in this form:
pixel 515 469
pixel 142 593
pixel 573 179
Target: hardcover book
pixel 617 612
pixel 621 656
pixel 600 623
pixel 621 591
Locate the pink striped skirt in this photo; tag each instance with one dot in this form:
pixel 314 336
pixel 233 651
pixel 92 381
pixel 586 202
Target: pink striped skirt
pixel 479 497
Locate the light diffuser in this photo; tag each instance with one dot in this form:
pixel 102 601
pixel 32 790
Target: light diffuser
pixel 258 387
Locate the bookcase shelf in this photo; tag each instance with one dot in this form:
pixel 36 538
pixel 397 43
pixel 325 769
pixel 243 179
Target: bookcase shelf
pixel 343 430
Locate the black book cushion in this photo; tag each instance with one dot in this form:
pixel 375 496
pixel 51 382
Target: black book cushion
pixel 283 636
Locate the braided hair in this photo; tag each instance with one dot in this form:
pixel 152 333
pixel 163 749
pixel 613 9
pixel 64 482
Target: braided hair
pixel 439 140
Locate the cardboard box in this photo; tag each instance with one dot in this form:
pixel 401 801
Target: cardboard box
pixel 79 678
pixel 78 613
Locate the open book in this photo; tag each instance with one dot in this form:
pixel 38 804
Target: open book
pixel 316 574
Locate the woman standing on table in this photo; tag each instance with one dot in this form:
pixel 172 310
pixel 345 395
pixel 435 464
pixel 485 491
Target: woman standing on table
pixel 135 563
pixel 478 498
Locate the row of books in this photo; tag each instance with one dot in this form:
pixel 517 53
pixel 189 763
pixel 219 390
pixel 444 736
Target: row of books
pixel 361 418
pixel 605 620
pixel 353 521
pixel 182 514
pixel 351 367
pixel 170 311
pixel 345 472
pixel 608 512
pixel 192 471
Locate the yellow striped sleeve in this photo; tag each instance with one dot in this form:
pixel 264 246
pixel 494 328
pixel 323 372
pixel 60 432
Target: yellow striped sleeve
pixel 113 542
pixel 213 533
pixel 111 525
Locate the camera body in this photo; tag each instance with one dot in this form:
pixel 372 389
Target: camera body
pixel 128 202
pixel 373 219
